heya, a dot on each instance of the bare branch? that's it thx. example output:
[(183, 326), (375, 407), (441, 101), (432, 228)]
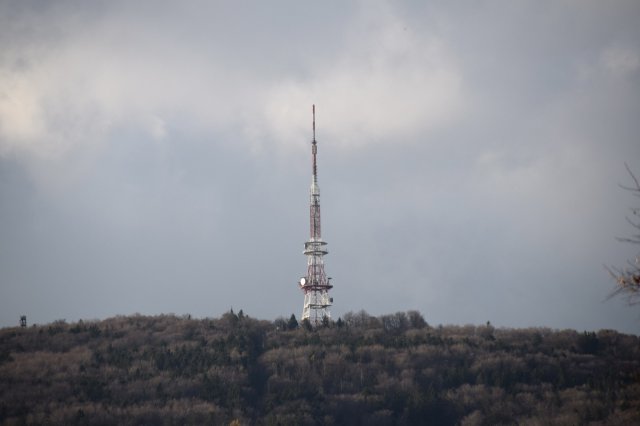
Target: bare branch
[(628, 280), (635, 180), (628, 240)]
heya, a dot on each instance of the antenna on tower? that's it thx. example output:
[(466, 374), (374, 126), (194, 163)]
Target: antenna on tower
[(314, 147)]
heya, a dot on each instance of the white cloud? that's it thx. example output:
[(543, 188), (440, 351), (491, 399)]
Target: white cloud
[(75, 96), (157, 127), (387, 82), (20, 112), (50, 107), (620, 61), (385, 85)]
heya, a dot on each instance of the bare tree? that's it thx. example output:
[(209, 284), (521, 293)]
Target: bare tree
[(628, 278)]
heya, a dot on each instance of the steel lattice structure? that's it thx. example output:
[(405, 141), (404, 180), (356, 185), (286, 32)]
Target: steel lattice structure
[(315, 285)]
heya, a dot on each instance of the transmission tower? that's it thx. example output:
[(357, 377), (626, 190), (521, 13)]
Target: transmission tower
[(315, 285)]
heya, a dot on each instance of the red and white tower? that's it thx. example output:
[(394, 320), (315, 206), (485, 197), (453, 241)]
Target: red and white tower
[(315, 284)]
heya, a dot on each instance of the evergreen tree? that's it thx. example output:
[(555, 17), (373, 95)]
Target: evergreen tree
[(293, 322)]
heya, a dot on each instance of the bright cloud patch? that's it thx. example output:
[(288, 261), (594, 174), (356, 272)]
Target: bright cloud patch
[(383, 87)]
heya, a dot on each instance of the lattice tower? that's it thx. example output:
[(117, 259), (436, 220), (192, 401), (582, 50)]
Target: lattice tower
[(315, 285)]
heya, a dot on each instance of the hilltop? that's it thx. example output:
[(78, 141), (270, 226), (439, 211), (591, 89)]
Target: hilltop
[(393, 369)]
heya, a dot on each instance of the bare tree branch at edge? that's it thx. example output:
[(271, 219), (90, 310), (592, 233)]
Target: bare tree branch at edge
[(628, 278)]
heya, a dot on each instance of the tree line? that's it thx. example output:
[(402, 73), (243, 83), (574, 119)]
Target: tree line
[(360, 369)]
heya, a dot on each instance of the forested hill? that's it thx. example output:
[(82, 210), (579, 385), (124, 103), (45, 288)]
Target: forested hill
[(360, 370)]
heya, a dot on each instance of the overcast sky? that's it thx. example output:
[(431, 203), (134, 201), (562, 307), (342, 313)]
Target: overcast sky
[(155, 157)]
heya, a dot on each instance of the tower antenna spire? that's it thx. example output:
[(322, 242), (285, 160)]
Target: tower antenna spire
[(314, 148), (315, 284)]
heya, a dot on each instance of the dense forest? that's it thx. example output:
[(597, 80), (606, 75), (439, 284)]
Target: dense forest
[(360, 370)]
